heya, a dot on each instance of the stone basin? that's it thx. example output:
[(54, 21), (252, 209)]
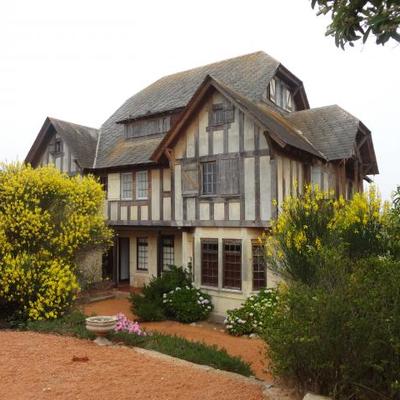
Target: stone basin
[(101, 325)]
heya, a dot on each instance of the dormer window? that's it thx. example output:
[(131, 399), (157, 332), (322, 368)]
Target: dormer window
[(281, 94), (148, 126)]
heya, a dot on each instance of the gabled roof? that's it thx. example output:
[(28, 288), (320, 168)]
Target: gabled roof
[(278, 128), (82, 141), (333, 131), (247, 75)]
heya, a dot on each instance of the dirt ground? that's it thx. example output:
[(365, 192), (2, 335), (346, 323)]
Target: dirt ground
[(39, 366), (250, 350)]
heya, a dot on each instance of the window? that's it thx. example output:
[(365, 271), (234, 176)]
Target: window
[(126, 186), (57, 146), (232, 264), (167, 252), (209, 170), (222, 114), (209, 262), (142, 254), (259, 267), (141, 185), (281, 95), (149, 126), (228, 182), (103, 182)]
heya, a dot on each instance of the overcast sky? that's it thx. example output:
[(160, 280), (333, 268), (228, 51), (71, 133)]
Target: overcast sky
[(80, 60)]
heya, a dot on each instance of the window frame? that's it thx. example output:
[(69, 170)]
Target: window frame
[(214, 182), (122, 183), (255, 247), (163, 240), (138, 188), (281, 92), (139, 244), (225, 281), (204, 282)]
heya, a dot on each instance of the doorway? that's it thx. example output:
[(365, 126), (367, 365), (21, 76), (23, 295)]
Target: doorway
[(123, 261)]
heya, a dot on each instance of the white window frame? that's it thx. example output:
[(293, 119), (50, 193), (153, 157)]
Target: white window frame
[(126, 175), (140, 189), (142, 245)]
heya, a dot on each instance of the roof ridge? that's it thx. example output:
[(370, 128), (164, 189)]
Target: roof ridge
[(70, 123), (217, 62)]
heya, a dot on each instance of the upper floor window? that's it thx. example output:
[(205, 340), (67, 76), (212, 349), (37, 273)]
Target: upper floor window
[(281, 94), (141, 185), (209, 174), (126, 186), (222, 114), (57, 146), (148, 126)]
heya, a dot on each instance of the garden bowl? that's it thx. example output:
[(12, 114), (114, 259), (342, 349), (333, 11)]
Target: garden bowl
[(101, 325)]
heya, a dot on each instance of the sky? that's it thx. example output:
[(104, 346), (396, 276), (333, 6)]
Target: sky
[(80, 60)]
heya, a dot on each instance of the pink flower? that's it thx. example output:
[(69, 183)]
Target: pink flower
[(125, 325)]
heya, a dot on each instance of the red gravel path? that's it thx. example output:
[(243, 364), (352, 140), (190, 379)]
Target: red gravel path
[(38, 366)]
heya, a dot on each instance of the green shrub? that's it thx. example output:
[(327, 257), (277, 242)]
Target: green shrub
[(253, 315), (148, 305), (195, 352), (187, 304), (342, 340), (72, 324)]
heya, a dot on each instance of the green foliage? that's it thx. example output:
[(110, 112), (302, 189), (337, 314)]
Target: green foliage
[(148, 305), (195, 352), (315, 221), (71, 324), (46, 220), (342, 340), (254, 315), (353, 19), (187, 304)]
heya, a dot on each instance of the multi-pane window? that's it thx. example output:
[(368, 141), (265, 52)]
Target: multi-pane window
[(57, 146), (142, 185), (209, 175), (167, 252), (281, 95), (126, 186), (232, 264), (209, 262), (148, 126), (142, 254), (259, 266), (222, 114)]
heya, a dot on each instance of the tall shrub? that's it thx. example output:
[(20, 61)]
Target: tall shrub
[(46, 220)]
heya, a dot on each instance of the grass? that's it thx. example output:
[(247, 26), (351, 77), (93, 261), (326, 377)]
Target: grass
[(73, 324), (195, 352)]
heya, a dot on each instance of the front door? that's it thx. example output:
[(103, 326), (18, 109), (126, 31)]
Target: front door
[(123, 259)]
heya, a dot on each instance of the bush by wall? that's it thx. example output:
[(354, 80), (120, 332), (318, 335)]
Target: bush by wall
[(254, 315), (187, 304), (46, 220)]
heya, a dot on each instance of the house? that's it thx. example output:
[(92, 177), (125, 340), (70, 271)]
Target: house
[(192, 165)]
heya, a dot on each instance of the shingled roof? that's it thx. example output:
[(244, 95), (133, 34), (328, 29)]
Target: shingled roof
[(247, 75), (331, 129), (82, 140)]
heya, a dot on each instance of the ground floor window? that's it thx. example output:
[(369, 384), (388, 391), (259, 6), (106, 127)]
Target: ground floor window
[(232, 264), (142, 254), (259, 266), (167, 252), (209, 262)]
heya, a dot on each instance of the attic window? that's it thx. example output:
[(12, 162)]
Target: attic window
[(148, 126), (57, 146), (281, 94), (222, 114)]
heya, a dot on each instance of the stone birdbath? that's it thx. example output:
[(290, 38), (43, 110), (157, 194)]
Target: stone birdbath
[(101, 326)]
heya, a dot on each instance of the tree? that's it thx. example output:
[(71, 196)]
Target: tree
[(356, 19), (46, 220)]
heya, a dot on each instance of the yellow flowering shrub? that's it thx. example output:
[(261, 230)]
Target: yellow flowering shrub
[(46, 220), (315, 226)]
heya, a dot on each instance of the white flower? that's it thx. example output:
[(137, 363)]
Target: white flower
[(198, 302), (165, 301), (164, 295), (205, 301), (229, 326), (177, 288), (225, 321), (209, 307), (201, 298), (251, 314)]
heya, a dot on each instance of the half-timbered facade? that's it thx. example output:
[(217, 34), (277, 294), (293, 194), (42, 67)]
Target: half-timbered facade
[(197, 165)]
